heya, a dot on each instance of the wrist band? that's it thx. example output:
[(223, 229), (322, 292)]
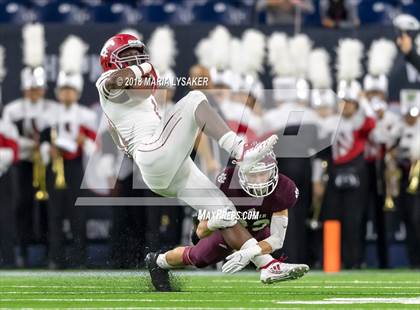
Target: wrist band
[(138, 72), (146, 67)]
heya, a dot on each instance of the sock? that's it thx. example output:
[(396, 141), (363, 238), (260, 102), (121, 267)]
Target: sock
[(162, 263), (232, 144), (262, 260)]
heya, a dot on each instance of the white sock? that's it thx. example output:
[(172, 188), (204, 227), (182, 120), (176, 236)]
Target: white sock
[(232, 144), (162, 263), (262, 260)]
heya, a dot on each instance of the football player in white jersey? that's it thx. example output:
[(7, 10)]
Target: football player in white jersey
[(161, 144)]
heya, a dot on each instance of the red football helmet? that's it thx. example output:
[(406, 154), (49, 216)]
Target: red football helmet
[(110, 58)]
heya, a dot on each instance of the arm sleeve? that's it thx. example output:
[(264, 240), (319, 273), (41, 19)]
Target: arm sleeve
[(100, 85), (278, 228)]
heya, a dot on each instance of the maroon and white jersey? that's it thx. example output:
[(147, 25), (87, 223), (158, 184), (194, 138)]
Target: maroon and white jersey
[(284, 197), (351, 137), (382, 137), (70, 123), (30, 120)]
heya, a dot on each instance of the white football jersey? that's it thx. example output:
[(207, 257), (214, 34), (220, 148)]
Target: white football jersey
[(131, 116)]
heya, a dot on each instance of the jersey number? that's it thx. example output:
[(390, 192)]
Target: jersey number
[(257, 225)]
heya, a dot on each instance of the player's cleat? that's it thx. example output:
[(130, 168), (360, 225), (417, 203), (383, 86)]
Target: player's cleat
[(254, 152), (159, 276), (277, 271), (194, 237)]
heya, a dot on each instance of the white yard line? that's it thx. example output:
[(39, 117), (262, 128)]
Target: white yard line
[(349, 301)]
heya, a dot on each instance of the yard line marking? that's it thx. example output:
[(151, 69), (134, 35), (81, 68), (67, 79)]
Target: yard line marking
[(114, 299), (284, 285), (188, 293), (182, 308), (324, 282), (347, 301), (62, 286)]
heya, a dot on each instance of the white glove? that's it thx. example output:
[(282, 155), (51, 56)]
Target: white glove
[(240, 259), (44, 149), (26, 147), (66, 144), (6, 159)]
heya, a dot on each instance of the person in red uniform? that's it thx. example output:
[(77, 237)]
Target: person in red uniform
[(347, 188), (262, 198), (9, 155), (69, 139)]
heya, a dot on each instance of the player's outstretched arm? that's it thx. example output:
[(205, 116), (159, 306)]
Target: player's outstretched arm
[(118, 79), (131, 77), (278, 227)]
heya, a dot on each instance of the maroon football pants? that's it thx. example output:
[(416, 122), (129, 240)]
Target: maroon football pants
[(213, 249)]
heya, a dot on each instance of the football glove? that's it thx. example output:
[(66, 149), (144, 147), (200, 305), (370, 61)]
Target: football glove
[(240, 259)]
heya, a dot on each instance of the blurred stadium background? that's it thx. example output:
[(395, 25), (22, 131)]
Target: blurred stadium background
[(118, 237)]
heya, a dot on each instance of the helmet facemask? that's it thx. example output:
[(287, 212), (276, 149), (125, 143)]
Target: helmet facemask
[(123, 62), (261, 180)]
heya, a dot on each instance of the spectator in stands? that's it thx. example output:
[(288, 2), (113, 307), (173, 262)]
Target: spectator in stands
[(339, 13), (405, 43), (284, 12)]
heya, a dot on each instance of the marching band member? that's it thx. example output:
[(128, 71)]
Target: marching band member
[(9, 155), (71, 136), (407, 157), (324, 102), (31, 114), (298, 125), (243, 109), (381, 58), (347, 186), (217, 61)]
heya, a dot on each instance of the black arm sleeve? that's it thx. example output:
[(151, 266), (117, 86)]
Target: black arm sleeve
[(413, 58)]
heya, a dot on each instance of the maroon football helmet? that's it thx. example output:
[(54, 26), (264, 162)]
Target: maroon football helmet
[(110, 53)]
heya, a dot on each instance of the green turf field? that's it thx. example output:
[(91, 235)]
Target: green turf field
[(201, 290)]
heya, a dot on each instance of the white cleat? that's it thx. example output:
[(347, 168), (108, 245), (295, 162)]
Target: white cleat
[(277, 271), (253, 153)]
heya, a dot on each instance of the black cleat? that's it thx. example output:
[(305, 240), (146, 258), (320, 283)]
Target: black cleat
[(159, 276), (194, 237)]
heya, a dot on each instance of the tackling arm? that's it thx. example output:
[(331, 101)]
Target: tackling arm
[(118, 79), (113, 83), (278, 228)]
